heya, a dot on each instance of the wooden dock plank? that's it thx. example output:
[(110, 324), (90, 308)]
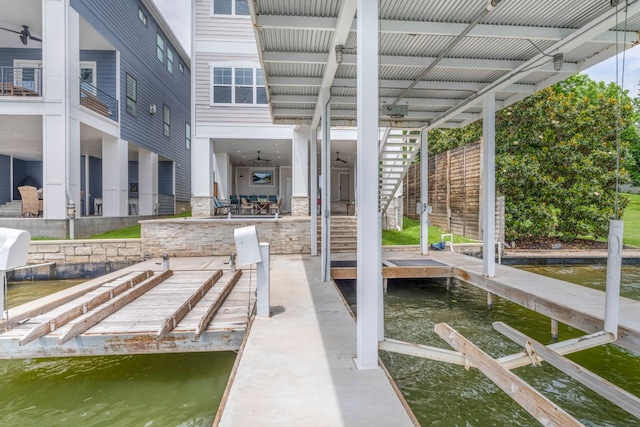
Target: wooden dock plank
[(81, 308), (604, 388), (213, 308), (113, 306), (544, 410), (171, 321)]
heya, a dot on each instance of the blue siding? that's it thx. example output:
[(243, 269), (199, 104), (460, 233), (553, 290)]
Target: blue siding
[(165, 177), (19, 173), (118, 22), (105, 68), (5, 179), (7, 55), (133, 178), (95, 180)]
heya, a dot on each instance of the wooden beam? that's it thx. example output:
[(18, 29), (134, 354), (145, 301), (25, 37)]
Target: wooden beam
[(211, 311), (116, 304), (82, 308), (544, 410), (604, 388), (171, 321), (410, 272), (423, 351), (14, 319)]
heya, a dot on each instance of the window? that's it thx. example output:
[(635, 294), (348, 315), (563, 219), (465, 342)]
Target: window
[(187, 132), (142, 17), (238, 85), (160, 48), (167, 121), (132, 95), (230, 7), (169, 60), (181, 67)]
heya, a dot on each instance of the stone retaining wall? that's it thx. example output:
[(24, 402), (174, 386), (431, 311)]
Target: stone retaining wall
[(84, 251), (207, 237)]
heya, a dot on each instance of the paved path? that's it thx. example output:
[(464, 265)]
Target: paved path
[(297, 367)]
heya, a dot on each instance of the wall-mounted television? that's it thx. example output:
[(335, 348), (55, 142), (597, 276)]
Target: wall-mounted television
[(261, 178)]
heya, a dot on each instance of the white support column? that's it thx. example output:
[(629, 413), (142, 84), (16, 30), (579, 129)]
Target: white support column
[(202, 173), (147, 181), (424, 192), (325, 191), (73, 166), (55, 134), (314, 191), (221, 162), (300, 171), (369, 274), (115, 177), (488, 204)]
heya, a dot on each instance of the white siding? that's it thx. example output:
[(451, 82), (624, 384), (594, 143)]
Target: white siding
[(205, 113), (219, 28)]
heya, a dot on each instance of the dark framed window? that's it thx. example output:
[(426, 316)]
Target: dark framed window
[(169, 60), (142, 16), (160, 48), (187, 135), (181, 67), (132, 95), (167, 121), (222, 85)]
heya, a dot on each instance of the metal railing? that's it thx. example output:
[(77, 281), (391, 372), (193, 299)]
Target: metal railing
[(98, 101), (21, 81)]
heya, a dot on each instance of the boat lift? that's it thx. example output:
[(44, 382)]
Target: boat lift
[(14, 249)]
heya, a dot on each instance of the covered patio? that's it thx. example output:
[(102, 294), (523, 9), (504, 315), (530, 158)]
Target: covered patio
[(418, 65)]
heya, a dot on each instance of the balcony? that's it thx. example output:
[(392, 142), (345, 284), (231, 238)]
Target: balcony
[(25, 81), (98, 101)]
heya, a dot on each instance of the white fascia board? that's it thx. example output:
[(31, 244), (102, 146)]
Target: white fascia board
[(16, 106), (247, 131), (226, 46)]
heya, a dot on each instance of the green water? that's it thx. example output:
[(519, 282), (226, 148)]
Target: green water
[(441, 394), (141, 390)]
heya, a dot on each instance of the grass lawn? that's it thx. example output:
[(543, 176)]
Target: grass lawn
[(631, 218), (132, 232), (410, 234)]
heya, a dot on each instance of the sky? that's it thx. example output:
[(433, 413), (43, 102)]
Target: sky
[(177, 13)]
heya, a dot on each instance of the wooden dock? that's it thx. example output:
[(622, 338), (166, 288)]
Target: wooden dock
[(574, 305), (198, 305)]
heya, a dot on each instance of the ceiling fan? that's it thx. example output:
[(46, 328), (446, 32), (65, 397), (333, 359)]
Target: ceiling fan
[(259, 159), (25, 34), (338, 159)]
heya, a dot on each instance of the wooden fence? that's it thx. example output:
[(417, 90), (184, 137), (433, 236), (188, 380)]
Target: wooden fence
[(454, 192)]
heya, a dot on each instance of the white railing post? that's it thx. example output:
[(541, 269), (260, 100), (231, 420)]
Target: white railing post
[(263, 287)]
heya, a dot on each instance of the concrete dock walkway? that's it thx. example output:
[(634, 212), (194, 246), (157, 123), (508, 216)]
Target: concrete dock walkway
[(297, 367)]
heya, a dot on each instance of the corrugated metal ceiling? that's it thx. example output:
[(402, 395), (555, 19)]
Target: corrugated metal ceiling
[(507, 42)]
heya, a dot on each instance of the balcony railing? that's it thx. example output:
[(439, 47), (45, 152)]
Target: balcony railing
[(98, 101), (24, 81)]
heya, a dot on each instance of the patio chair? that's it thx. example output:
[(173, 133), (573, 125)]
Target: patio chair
[(245, 206), (275, 207), (219, 206), (233, 200), (31, 205)]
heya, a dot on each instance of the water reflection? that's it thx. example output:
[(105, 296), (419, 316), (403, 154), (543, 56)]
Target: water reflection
[(441, 394)]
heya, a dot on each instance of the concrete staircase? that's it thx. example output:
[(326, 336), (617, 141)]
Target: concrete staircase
[(343, 234), (11, 209)]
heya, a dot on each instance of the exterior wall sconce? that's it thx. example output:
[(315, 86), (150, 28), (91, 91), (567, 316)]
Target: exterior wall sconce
[(558, 62), (339, 53), (152, 109)]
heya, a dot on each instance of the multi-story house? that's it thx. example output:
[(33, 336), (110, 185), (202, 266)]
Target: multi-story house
[(235, 142), (94, 107)]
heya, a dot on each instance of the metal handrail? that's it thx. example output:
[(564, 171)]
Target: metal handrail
[(98, 101), (20, 81)]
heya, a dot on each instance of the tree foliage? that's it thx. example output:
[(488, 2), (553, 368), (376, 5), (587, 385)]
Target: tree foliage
[(556, 157)]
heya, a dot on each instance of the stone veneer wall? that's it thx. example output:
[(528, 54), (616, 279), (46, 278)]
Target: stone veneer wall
[(389, 218), (84, 251), (202, 207), (207, 237), (299, 206)]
